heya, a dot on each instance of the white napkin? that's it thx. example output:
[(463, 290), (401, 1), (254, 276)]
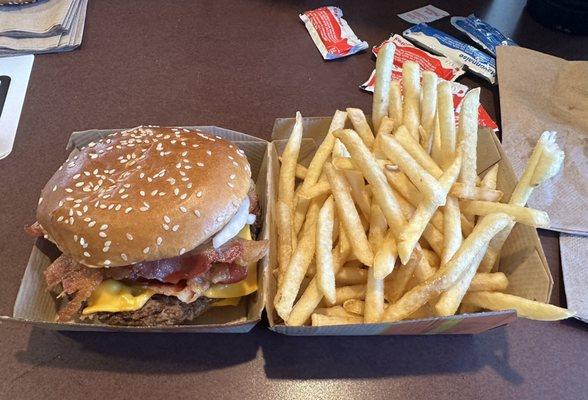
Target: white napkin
[(574, 264), (539, 92), (44, 18), (64, 41)]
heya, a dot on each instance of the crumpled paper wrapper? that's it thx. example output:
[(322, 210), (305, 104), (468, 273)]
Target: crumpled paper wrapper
[(539, 92), (574, 256)]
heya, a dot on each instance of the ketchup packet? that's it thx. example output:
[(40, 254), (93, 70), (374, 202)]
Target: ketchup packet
[(331, 33), (406, 51), (476, 61), (458, 91)]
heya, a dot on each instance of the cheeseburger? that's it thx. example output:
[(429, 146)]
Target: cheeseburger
[(155, 225)]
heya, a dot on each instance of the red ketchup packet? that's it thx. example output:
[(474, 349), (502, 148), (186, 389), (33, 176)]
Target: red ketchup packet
[(331, 33)]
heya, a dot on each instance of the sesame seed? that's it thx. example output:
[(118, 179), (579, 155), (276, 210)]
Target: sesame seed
[(142, 193), (199, 194), (128, 210), (75, 238), (183, 209), (60, 219), (86, 254), (175, 227), (91, 224), (182, 251), (54, 188), (232, 176), (105, 249), (106, 262), (76, 176), (129, 236), (102, 234), (124, 256), (165, 227), (68, 190), (235, 163), (176, 191), (159, 240), (71, 220), (183, 197), (209, 152), (200, 164), (82, 241), (103, 227), (219, 219), (146, 250), (166, 219), (197, 213), (143, 208), (229, 184), (107, 243), (40, 200), (189, 185), (154, 192)]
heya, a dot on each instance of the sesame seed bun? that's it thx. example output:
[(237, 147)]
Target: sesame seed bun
[(143, 194)]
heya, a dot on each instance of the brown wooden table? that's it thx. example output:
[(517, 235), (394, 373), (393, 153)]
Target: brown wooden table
[(240, 65)]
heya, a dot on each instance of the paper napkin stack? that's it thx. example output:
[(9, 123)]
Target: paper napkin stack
[(46, 26)]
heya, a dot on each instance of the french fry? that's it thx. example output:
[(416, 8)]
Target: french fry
[(354, 306), (400, 183), (322, 154), (424, 212), (411, 84), (533, 176), (464, 192), (355, 179), (386, 127), (450, 300), (446, 116), (351, 275), (377, 226), (467, 134), (525, 308), (312, 296), (361, 126), (428, 107), (466, 225), (324, 246), (382, 85), (300, 170), (452, 230), (300, 211), (287, 177), (320, 189), (523, 215), (424, 181), (432, 258), (436, 150), (350, 292), (299, 263), (395, 285), (328, 320), (490, 178), (448, 274), (348, 214), (413, 148), (335, 311), (382, 192), (395, 103), (374, 298), (493, 282), (468, 309), (284, 219), (385, 257)]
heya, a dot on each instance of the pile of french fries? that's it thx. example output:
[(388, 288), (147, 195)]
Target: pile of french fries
[(398, 225)]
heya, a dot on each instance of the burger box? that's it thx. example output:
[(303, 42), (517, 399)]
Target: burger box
[(36, 306), (522, 258)]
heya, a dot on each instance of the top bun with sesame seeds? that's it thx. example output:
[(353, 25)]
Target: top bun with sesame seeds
[(143, 194)]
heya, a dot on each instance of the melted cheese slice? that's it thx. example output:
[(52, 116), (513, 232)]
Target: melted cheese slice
[(114, 296), (241, 288)]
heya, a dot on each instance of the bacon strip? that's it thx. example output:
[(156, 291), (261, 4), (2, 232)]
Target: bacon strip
[(76, 279), (34, 230)]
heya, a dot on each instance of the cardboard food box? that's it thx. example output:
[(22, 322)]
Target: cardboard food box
[(522, 258), (36, 306)]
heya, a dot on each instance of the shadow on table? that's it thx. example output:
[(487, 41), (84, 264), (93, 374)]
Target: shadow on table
[(289, 357), (145, 353)]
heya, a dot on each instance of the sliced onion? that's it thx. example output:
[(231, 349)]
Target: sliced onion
[(234, 226), (251, 219)]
